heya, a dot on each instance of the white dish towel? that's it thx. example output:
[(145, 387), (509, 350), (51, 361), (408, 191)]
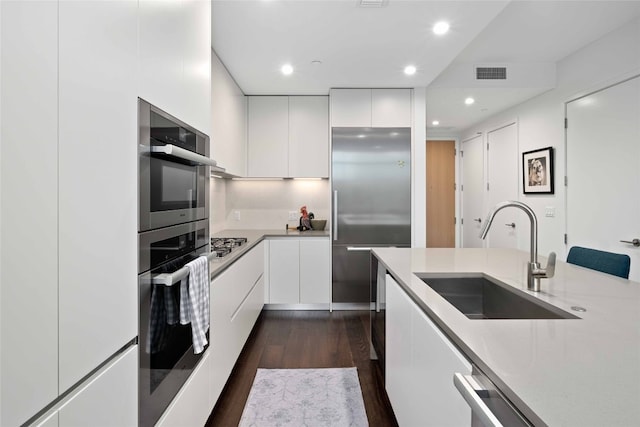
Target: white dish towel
[(194, 301)]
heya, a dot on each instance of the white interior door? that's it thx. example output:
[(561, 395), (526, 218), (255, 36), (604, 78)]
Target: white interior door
[(472, 191), (603, 159), (502, 173)]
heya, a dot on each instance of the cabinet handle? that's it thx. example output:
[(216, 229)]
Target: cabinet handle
[(478, 407), (478, 220), (512, 225), (357, 248)]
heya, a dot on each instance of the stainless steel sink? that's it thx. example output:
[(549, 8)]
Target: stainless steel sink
[(479, 297)]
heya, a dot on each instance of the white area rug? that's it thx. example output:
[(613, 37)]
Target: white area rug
[(305, 397)]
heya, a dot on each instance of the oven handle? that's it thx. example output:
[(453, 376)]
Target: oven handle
[(181, 153), (169, 279), (469, 392)]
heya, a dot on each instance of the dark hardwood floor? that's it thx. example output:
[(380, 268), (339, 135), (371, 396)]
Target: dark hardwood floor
[(306, 339)]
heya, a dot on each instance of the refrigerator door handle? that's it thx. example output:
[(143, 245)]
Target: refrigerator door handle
[(335, 215)]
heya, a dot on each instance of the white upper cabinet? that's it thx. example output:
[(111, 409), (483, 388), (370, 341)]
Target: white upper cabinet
[(371, 108), (97, 199), (308, 136), (29, 208), (268, 136), (350, 108), (391, 108), (175, 59), (288, 136), (228, 120)]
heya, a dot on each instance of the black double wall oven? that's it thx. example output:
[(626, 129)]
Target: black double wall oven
[(173, 229)]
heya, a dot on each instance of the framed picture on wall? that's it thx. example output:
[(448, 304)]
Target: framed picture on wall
[(537, 171)]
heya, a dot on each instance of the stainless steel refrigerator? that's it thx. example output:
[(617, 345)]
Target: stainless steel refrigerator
[(371, 191)]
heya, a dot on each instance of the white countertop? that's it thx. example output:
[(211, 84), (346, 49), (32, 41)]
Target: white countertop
[(254, 236), (561, 372)]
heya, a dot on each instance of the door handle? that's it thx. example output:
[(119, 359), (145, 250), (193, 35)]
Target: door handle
[(634, 242), (478, 220), (335, 214), (512, 225)]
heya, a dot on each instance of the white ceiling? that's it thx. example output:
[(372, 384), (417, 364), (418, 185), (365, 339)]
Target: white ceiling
[(370, 46)]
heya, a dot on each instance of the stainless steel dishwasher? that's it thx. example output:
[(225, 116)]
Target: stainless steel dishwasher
[(489, 408)]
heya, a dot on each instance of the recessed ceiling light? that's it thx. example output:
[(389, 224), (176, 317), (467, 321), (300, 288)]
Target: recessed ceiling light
[(435, 123), (361, 136), (286, 69), (409, 70), (469, 101), (441, 28)]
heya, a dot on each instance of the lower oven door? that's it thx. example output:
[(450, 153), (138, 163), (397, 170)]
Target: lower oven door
[(489, 408), (166, 353)]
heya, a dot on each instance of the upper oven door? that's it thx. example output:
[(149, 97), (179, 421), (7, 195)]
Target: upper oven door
[(173, 170)]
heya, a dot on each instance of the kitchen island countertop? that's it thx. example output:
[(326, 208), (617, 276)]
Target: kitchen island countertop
[(254, 236), (562, 372)]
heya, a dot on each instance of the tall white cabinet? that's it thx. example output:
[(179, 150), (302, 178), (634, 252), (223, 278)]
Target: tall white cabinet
[(97, 197), (29, 209), (71, 73)]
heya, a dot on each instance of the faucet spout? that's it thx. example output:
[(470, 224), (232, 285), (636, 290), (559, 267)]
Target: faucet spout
[(535, 272)]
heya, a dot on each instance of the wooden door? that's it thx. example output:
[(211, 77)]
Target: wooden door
[(472, 191), (441, 232), (603, 154)]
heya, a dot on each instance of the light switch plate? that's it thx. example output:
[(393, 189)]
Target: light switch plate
[(550, 212), (236, 215)]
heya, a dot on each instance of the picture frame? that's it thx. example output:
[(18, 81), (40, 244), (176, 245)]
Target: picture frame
[(537, 171)]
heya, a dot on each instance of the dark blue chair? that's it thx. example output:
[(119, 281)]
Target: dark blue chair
[(607, 262)]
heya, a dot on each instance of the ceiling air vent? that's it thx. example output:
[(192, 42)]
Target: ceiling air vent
[(372, 3), (491, 73)]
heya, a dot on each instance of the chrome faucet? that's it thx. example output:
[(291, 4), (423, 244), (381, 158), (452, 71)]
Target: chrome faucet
[(534, 272)]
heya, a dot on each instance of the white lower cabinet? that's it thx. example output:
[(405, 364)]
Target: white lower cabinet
[(237, 297), (420, 363), (299, 271), (191, 407), (109, 399)]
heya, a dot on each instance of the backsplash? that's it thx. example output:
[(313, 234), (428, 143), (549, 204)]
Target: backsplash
[(265, 204)]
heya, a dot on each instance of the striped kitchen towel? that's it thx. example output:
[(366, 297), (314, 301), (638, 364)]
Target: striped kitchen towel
[(194, 301)]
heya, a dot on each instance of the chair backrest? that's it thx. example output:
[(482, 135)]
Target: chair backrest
[(607, 262)]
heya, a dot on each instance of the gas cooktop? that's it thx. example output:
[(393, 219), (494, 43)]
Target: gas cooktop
[(223, 246)]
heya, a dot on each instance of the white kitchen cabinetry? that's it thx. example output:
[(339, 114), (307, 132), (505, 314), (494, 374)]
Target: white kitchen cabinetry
[(268, 136), (191, 406), (228, 120), (237, 297), (299, 271), (420, 363), (371, 108), (175, 58), (284, 271), (308, 136), (288, 136), (97, 200), (29, 209), (315, 271), (109, 399)]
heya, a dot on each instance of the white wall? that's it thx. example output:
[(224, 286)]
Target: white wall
[(608, 60), (265, 204)]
